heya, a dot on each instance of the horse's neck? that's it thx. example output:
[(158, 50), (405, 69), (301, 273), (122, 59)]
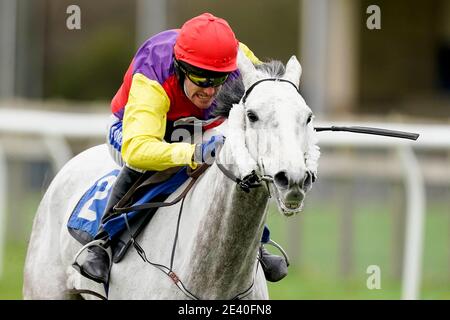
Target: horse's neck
[(225, 247)]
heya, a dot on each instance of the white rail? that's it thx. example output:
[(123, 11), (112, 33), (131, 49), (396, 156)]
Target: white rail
[(56, 127), (415, 224)]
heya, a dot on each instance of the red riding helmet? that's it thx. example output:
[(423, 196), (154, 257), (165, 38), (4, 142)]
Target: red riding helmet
[(207, 42)]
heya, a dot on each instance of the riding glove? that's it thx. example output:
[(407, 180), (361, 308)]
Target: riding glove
[(206, 151)]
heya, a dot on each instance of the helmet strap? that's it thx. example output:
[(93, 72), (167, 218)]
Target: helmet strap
[(184, 88), (179, 74)]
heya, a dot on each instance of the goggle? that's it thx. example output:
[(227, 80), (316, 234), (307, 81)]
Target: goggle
[(204, 82)]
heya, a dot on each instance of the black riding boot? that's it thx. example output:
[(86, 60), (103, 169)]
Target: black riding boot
[(275, 267), (97, 264)]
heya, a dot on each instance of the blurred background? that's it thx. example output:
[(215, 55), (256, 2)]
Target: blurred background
[(378, 202)]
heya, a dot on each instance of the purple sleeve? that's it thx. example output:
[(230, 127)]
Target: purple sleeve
[(154, 58)]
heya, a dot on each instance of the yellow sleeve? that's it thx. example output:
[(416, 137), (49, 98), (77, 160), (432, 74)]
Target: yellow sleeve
[(144, 126), (249, 53)]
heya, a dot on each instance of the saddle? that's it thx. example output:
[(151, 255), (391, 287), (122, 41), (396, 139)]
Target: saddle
[(133, 212)]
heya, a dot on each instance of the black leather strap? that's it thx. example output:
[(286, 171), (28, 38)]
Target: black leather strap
[(249, 90), (194, 175)]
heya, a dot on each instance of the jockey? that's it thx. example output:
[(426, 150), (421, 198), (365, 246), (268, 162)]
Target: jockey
[(175, 74)]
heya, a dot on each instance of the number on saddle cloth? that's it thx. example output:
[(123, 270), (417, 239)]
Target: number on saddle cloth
[(86, 217)]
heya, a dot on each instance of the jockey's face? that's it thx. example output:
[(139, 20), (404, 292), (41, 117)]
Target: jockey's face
[(201, 97)]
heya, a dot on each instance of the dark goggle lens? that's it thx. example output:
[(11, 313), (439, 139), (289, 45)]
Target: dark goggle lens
[(206, 82)]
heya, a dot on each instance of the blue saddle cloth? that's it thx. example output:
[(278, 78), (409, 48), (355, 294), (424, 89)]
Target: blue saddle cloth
[(86, 217)]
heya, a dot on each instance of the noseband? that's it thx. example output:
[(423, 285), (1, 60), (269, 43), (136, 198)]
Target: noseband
[(250, 181)]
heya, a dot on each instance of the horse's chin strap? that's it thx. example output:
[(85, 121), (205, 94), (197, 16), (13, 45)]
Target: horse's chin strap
[(250, 181)]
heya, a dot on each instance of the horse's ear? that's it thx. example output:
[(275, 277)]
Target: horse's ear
[(293, 71), (247, 69)]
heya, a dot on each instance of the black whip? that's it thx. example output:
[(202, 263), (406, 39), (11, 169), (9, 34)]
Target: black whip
[(371, 130)]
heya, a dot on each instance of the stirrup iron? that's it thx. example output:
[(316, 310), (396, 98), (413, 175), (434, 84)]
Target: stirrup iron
[(94, 243), (276, 245)]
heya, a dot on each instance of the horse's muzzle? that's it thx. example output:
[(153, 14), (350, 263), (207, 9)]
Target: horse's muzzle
[(290, 194)]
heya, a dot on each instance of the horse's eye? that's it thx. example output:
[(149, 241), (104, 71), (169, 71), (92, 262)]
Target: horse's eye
[(252, 116), (309, 119)]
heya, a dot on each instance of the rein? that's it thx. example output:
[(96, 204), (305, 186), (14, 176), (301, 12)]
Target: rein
[(252, 180), (169, 270)]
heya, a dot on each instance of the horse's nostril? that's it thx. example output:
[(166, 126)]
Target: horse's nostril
[(308, 179), (281, 179)]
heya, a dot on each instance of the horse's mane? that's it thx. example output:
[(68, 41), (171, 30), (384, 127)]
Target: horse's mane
[(232, 93)]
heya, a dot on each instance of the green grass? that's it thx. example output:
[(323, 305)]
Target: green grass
[(314, 272), (311, 286), (11, 280)]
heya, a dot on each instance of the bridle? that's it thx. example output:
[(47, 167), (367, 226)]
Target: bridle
[(254, 179)]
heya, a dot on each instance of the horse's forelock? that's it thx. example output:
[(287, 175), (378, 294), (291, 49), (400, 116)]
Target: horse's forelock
[(272, 69)]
